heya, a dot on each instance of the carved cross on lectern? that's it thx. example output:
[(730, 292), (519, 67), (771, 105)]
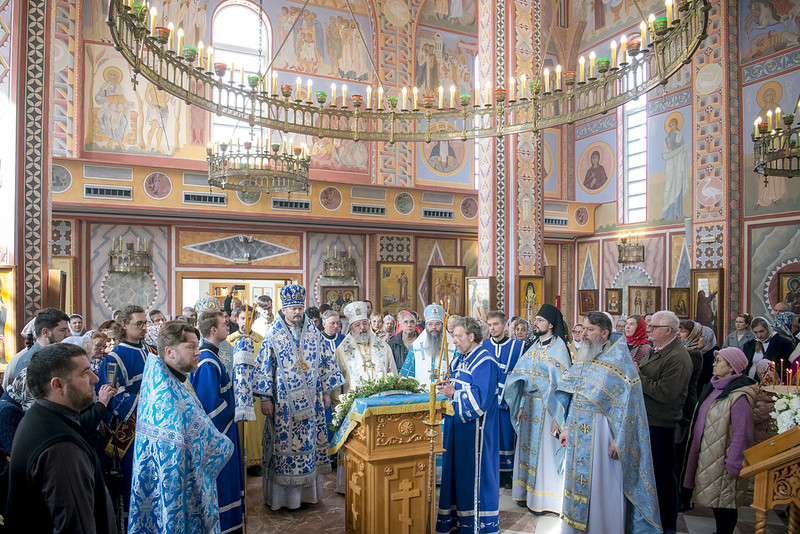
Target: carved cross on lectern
[(406, 494), (356, 489)]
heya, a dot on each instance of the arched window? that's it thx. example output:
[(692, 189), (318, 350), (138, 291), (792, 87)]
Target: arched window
[(235, 38)]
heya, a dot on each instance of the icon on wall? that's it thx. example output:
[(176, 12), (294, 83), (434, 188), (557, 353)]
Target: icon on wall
[(596, 167)]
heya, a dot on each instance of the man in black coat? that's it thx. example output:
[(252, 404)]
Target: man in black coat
[(56, 480)]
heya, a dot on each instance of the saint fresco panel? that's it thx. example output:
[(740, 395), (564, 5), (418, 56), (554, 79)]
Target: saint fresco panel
[(396, 283)]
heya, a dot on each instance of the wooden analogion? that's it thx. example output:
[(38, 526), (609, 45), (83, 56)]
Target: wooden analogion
[(388, 487), (775, 464)]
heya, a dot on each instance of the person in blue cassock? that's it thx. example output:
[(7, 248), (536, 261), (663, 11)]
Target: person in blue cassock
[(469, 498), (297, 373), (178, 452), (506, 352), (609, 486), (332, 329), (124, 366), (537, 414), (332, 334), (214, 389)]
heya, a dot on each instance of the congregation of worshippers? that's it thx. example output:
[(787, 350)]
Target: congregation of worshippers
[(612, 424)]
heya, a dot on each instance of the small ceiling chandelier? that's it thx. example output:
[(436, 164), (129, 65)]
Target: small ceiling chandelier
[(596, 86), (124, 259), (776, 145), (630, 249), (258, 171)]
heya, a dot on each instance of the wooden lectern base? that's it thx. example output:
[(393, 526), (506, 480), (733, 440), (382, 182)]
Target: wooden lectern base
[(390, 488), (775, 464)]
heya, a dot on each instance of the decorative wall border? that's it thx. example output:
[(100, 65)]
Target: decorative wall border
[(501, 149), (483, 147), (735, 227), (711, 124), (768, 67), (609, 122), (35, 167)]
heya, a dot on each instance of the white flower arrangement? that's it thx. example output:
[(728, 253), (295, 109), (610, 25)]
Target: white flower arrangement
[(786, 411)]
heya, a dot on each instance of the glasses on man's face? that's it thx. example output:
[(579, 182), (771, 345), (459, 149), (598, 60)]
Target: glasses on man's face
[(139, 324), (654, 326)]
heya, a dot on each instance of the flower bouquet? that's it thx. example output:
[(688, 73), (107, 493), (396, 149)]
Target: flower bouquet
[(786, 412), (368, 388)]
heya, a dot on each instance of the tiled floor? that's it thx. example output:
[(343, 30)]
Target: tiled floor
[(328, 516)]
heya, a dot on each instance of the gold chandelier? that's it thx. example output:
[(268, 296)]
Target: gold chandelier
[(600, 85), (777, 145), (124, 259), (258, 171)]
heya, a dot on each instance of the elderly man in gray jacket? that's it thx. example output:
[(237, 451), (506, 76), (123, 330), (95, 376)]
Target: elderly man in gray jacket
[(665, 378)]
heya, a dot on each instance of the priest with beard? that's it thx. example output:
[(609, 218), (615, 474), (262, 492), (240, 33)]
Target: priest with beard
[(361, 356), (423, 358), (609, 486), (538, 417), (506, 352)]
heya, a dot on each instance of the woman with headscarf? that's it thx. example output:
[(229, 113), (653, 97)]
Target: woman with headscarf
[(707, 347), (95, 347), (766, 346), (741, 333), (783, 325), (13, 405), (76, 326), (721, 430), (691, 334), (636, 336), (523, 331)]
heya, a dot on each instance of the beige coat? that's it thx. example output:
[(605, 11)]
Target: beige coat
[(714, 486)]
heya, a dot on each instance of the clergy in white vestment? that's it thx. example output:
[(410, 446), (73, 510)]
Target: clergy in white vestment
[(178, 452), (609, 487), (361, 356), (537, 415), (423, 358), (297, 374)]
